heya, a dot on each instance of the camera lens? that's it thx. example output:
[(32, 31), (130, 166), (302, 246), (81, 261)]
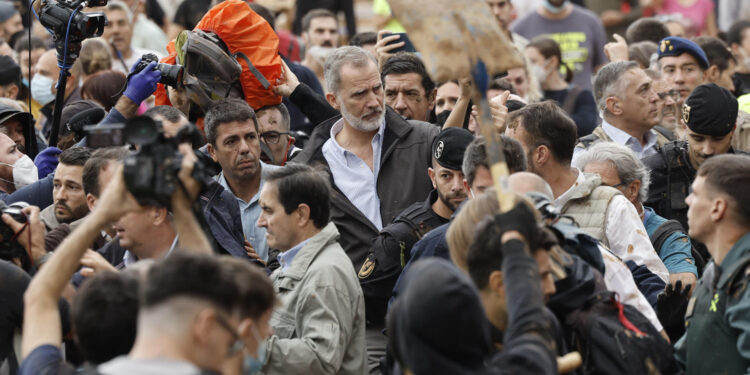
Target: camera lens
[(171, 75), (141, 130)]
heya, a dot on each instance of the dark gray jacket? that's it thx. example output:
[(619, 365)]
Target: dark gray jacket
[(402, 179)]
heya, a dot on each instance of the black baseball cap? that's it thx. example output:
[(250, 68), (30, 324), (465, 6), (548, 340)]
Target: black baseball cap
[(449, 146)]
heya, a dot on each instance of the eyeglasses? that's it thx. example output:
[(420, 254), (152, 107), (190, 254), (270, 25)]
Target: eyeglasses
[(238, 344), (272, 136), (674, 94)]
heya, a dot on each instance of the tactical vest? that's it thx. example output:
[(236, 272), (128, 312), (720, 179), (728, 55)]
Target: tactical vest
[(420, 219), (671, 176), (588, 206), (708, 330), (662, 137)]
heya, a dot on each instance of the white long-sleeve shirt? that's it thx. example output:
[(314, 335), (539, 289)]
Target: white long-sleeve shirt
[(625, 232)]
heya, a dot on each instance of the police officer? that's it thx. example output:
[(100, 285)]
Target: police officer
[(718, 314), (391, 249), (710, 113)]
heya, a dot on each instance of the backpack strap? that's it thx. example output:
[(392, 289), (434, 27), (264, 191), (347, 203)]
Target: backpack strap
[(663, 231), (569, 104), (263, 81)]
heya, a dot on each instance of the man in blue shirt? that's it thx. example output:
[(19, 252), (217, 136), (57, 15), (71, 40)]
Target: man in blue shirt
[(233, 142)]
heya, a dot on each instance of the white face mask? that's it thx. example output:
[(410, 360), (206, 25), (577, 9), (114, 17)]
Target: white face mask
[(41, 89), (539, 73), (24, 172)]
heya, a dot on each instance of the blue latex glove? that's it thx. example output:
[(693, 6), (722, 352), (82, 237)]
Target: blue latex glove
[(46, 161), (142, 84)]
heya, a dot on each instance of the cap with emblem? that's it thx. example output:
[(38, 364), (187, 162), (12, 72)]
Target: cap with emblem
[(449, 146), (676, 46), (7, 10), (10, 72), (710, 110)]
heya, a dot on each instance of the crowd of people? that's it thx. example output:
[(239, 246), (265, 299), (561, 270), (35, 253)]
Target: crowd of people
[(301, 197)]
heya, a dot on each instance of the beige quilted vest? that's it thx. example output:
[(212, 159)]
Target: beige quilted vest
[(588, 206)]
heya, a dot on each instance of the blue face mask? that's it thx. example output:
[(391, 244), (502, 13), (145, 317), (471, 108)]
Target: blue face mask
[(252, 365), (25, 81), (555, 9), (41, 89)]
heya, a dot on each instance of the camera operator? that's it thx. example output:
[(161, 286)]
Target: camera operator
[(139, 87), (150, 232), (41, 338)]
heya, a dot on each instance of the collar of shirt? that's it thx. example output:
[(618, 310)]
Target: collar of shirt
[(565, 197), (223, 182), (620, 137), (342, 153), (647, 214), (286, 258), (128, 258)]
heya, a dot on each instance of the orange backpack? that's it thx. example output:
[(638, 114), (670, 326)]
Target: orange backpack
[(232, 52)]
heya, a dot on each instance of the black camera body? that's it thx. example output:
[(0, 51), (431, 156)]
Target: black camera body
[(151, 173), (12, 249), (171, 75), (70, 26)]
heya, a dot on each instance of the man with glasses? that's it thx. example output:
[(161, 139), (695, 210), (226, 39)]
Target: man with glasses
[(273, 123), (619, 168), (629, 108)]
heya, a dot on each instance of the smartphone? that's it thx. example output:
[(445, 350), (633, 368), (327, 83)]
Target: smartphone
[(407, 47)]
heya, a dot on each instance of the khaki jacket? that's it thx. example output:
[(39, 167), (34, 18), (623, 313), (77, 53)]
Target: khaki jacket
[(319, 325)]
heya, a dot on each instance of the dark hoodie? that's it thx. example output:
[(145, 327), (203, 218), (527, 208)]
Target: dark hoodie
[(438, 325)]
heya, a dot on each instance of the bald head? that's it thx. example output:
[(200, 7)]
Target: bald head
[(524, 182)]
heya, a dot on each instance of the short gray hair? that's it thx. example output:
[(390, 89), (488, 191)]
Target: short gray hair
[(347, 55), (609, 82), (121, 6), (629, 167)]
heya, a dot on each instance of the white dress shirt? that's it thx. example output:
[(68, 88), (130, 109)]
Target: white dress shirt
[(625, 232), (353, 177)]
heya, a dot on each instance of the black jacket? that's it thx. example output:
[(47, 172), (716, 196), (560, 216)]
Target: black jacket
[(402, 179)]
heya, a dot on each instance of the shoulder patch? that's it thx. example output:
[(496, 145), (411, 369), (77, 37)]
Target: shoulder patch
[(367, 267)]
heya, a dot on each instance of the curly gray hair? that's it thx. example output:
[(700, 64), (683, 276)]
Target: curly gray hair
[(629, 167)]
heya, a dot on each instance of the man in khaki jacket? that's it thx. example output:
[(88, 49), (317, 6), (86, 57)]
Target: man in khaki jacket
[(319, 326)]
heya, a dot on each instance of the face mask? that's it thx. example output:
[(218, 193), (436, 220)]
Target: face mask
[(538, 72), (41, 89), (25, 81), (24, 172), (555, 9), (252, 365), (320, 54)]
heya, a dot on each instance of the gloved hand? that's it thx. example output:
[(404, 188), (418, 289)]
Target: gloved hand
[(142, 84), (521, 218), (46, 161), (670, 309)]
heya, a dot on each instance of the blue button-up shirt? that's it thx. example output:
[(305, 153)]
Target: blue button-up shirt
[(286, 258), (250, 212), (352, 175), (622, 138)]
